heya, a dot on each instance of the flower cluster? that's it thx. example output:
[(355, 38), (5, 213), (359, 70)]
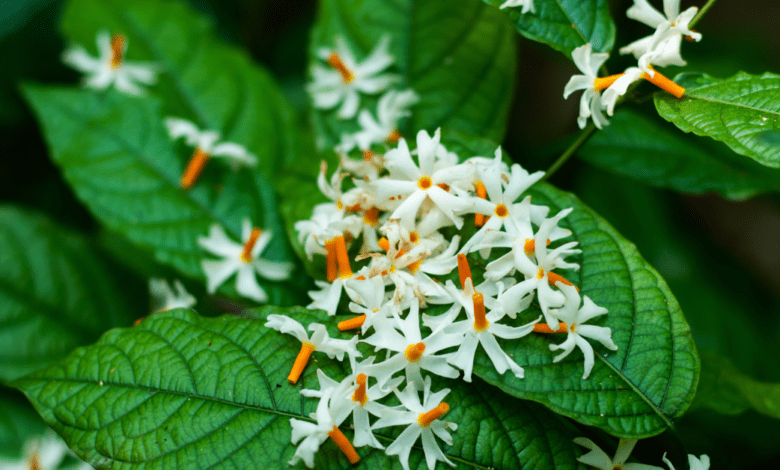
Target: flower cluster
[(662, 48), (599, 459)]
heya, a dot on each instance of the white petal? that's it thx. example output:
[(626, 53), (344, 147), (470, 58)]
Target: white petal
[(248, 286), (217, 272)]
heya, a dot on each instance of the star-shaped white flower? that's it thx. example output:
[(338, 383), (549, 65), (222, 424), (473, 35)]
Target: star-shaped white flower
[(702, 463), (590, 102), (111, 66), (423, 419), (393, 106), (346, 78), (528, 5), (599, 459), (41, 453), (164, 298), (241, 259), (574, 318)]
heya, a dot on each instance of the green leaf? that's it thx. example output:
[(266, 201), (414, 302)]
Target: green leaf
[(654, 152), (636, 391), (565, 24), (459, 58), (190, 392), (743, 111), (56, 293), (18, 421), (116, 154), (726, 390)]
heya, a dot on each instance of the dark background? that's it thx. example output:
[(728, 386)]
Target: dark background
[(721, 258)]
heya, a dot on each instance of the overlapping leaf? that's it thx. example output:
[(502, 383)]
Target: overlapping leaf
[(153, 396), (650, 380), (565, 24), (657, 154), (459, 58), (743, 111), (116, 154), (56, 293)]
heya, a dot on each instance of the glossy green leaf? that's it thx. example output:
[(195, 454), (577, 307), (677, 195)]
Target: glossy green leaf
[(565, 24), (656, 153), (182, 391), (56, 293), (459, 57), (116, 154), (636, 391), (727, 390), (743, 111)]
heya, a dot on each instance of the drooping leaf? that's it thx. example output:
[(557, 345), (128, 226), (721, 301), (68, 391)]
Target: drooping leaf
[(723, 388), (181, 391), (636, 391), (459, 57), (56, 293), (565, 24), (657, 154), (116, 154), (743, 111)]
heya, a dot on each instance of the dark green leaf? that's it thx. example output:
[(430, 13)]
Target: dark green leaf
[(651, 379), (459, 57), (565, 24), (655, 153), (116, 154), (56, 293), (181, 391), (743, 111), (18, 421)]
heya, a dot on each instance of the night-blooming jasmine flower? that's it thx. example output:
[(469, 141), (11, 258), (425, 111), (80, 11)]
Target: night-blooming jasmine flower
[(599, 459), (319, 341), (345, 79), (206, 145), (420, 183), (164, 298), (338, 273), (702, 463), (243, 259), (590, 102), (369, 302), (423, 419), (41, 453), (573, 318), (111, 66), (393, 106), (312, 435), (528, 5)]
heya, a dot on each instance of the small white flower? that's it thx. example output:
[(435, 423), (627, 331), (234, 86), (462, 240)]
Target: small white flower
[(164, 298), (619, 88), (111, 66), (392, 107), (702, 463), (574, 318), (599, 459), (369, 302), (345, 79), (326, 223), (590, 103), (528, 5), (41, 453), (243, 259), (423, 419)]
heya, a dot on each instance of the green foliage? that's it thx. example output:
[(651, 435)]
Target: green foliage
[(650, 380), (655, 153), (18, 420), (726, 390), (460, 61), (56, 293), (743, 111), (224, 387), (565, 24), (129, 178)]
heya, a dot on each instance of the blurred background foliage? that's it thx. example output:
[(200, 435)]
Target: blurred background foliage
[(721, 258)]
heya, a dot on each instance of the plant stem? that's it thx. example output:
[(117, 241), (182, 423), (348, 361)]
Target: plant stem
[(703, 10), (581, 139)]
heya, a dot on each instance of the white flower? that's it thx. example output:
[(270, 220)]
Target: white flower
[(111, 67), (423, 419), (242, 259), (574, 318), (599, 459), (619, 88), (420, 183), (369, 302), (528, 5), (392, 107), (345, 79), (41, 453), (338, 274), (702, 463), (164, 298), (590, 102), (326, 223), (662, 47)]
